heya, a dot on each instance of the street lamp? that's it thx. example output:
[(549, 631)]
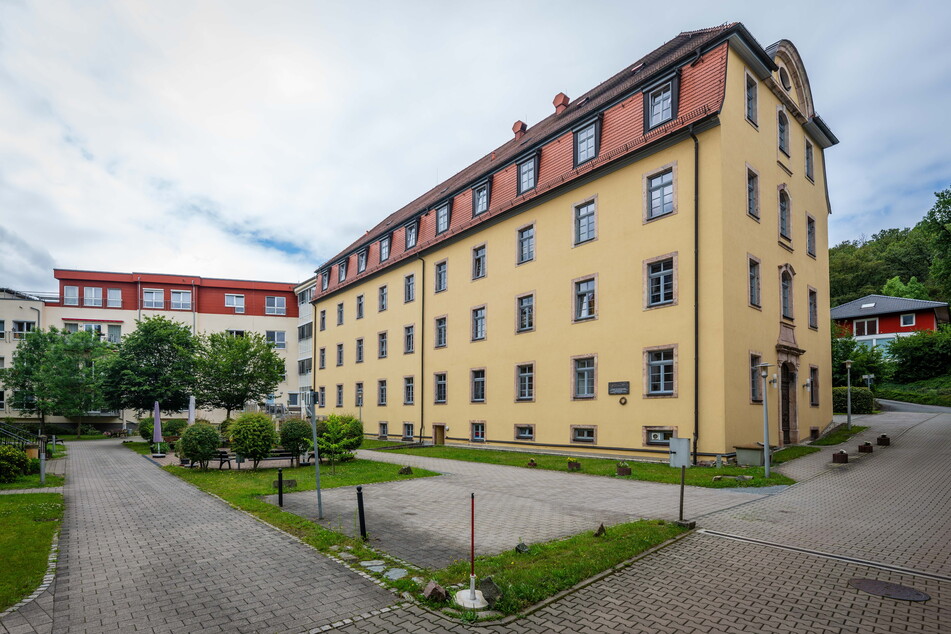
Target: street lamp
[(360, 402), (764, 372), (848, 394)]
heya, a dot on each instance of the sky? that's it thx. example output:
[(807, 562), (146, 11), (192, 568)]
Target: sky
[(255, 140)]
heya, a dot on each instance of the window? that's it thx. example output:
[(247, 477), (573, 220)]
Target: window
[(813, 385), (751, 99), (322, 318), (908, 320), (582, 434), (341, 271), (586, 143), (114, 298), (660, 276), (358, 355), (440, 391), (292, 399), (478, 432), (524, 432), (409, 288), (381, 300), (525, 382), (809, 164), (236, 302), (585, 222), (442, 219), (584, 300), (384, 249), (478, 323), (756, 382), (478, 386), (70, 296), (276, 338), (275, 305), (782, 124), (864, 327), (92, 296), (181, 300), (658, 435), (324, 280), (359, 306), (235, 333), (584, 377), (384, 428), (810, 236), (96, 328), (304, 366), (813, 308), (409, 339), (410, 233), (785, 291), (72, 327), (478, 262), (526, 313), (339, 402), (153, 298), (660, 194), (752, 193), (362, 261), (322, 396), (754, 282), (660, 367), (340, 314), (381, 392), (322, 358), (408, 431), (339, 354), (409, 390), (381, 345), (114, 333), (784, 215), (526, 174), (441, 278), (304, 297), (3, 328), (526, 245), (661, 105), (480, 199), (305, 332), (440, 332)]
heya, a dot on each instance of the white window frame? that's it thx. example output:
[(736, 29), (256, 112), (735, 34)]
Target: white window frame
[(585, 222), (92, 296), (235, 301), (277, 307), (525, 382), (440, 276), (660, 188), (342, 271), (180, 300), (440, 388), (477, 431), (443, 218), (584, 376), (525, 313), (114, 298), (409, 288), (277, 338), (477, 385), (441, 332), (865, 327), (909, 323), (585, 299), (658, 368), (384, 249), (525, 244), (70, 296), (658, 112), (152, 303), (409, 390), (478, 331), (479, 264)]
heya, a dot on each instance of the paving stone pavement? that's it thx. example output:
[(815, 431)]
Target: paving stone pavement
[(141, 550), (512, 504)]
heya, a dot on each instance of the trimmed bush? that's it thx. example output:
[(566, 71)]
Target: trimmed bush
[(224, 428), (253, 436), (862, 400), (174, 426), (146, 429), (296, 437), (199, 442), (13, 463)]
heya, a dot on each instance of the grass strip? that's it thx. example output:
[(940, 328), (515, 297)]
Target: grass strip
[(27, 524), (375, 443), (791, 453), (83, 437), (32, 481), (551, 567), (648, 471), (838, 435)]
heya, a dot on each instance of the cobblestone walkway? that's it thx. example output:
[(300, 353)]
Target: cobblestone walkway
[(143, 551)]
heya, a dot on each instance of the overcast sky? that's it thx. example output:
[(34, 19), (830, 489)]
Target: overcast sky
[(255, 140)]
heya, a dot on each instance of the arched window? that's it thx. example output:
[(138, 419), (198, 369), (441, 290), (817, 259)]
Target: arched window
[(783, 125), (786, 293), (784, 223)]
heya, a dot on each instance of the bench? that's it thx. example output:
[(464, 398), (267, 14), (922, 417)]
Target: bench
[(277, 453), (221, 456)]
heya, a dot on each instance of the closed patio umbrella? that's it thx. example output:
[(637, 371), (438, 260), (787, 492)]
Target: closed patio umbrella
[(157, 432)]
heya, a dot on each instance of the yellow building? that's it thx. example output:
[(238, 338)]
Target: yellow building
[(610, 276)]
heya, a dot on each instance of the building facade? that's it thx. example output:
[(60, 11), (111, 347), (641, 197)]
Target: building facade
[(608, 278), (875, 320)]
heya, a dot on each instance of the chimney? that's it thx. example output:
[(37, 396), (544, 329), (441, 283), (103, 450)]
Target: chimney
[(519, 128), (561, 102)]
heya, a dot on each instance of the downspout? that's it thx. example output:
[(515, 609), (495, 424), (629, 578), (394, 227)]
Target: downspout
[(39, 316), (422, 346), (696, 292), (138, 296), (194, 310)]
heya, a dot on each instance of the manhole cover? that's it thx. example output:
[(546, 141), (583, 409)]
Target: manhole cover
[(890, 590)]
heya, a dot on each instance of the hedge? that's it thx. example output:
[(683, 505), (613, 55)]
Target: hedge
[(862, 400)]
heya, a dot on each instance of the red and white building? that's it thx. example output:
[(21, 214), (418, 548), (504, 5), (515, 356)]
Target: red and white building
[(877, 319)]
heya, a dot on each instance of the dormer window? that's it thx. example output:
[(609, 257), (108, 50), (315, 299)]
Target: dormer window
[(480, 199), (527, 171), (385, 249), (660, 103), (587, 142), (324, 280), (442, 219), (411, 231), (342, 271), (361, 261)]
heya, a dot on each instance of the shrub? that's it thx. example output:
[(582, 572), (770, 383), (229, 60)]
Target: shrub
[(89, 430), (923, 355), (862, 401), (199, 442), (13, 463), (33, 466), (341, 436), (174, 426), (295, 436), (224, 428), (253, 436), (146, 429)]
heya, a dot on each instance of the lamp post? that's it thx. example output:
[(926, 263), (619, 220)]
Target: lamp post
[(764, 372), (848, 394), (360, 402)]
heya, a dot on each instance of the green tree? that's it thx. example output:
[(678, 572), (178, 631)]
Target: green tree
[(295, 437), (200, 443), (938, 224), (253, 436), (23, 377), (924, 355), (341, 436), (912, 290), (233, 370), (155, 362), (865, 360)]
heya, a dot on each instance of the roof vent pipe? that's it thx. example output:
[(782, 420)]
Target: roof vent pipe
[(519, 128), (561, 102)]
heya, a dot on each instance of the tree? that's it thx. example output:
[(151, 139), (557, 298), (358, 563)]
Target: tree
[(912, 290), (924, 355), (200, 443), (234, 370), (23, 377), (865, 360), (341, 436), (253, 436), (295, 437), (938, 223), (156, 362)]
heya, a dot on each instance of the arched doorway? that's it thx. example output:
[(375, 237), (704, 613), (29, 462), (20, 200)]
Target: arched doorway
[(787, 408)]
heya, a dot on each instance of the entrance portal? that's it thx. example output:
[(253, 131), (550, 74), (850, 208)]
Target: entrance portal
[(787, 411), (439, 434)]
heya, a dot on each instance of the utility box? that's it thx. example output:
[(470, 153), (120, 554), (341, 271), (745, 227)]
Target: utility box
[(679, 452)]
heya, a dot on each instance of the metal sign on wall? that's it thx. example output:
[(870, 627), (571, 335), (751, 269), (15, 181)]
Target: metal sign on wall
[(619, 387)]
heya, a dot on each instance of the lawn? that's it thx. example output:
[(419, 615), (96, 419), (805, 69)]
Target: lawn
[(71, 437), (140, 447), (649, 471), (791, 453), (32, 482), (28, 522), (549, 568), (374, 443), (839, 435), (936, 391)]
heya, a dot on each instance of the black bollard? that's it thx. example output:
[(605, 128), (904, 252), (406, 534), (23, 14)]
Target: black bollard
[(363, 519), (280, 487)]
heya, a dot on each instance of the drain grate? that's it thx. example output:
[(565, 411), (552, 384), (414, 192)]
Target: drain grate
[(890, 590)]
